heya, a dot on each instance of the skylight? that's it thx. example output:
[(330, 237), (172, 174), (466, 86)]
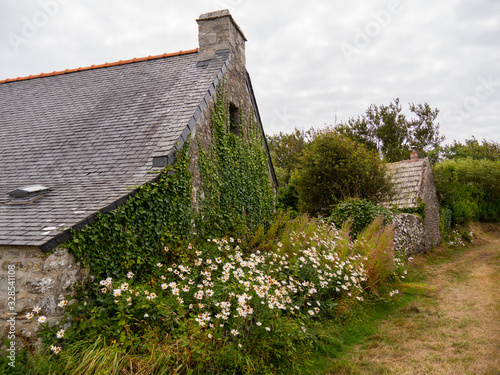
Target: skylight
[(27, 194)]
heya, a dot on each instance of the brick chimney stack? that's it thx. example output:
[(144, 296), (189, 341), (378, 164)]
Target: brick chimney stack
[(219, 31), (413, 155)]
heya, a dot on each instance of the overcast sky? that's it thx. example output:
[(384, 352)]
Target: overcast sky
[(311, 63)]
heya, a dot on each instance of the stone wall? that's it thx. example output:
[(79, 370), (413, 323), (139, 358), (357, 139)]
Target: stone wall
[(431, 221), (409, 234), (30, 278)]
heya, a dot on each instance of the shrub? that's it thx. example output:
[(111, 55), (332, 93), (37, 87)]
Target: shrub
[(333, 168), (361, 213), (470, 188)]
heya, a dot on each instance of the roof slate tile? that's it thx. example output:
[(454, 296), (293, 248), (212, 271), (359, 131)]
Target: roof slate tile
[(91, 136)]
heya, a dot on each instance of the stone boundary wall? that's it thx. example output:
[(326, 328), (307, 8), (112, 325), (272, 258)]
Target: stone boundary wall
[(30, 278), (409, 235)]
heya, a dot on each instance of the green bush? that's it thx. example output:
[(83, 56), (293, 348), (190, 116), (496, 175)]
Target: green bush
[(445, 220), (470, 188), (287, 197), (333, 168), (361, 213)]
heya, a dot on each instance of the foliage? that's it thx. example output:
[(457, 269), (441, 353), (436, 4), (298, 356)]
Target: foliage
[(286, 150), (469, 188), (236, 194), (238, 198), (445, 220), (333, 168), (229, 307), (471, 149), (386, 129), (360, 214), (418, 210), (134, 234), (376, 244), (287, 197)]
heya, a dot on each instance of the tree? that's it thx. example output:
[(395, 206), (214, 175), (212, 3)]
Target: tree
[(386, 129), (334, 167), (489, 150), (286, 150)]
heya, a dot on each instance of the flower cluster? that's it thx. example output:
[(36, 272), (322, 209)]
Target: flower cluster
[(43, 319), (36, 310), (456, 239), (224, 289)]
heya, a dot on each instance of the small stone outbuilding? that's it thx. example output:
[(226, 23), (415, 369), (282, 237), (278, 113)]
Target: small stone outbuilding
[(414, 185), (78, 142)]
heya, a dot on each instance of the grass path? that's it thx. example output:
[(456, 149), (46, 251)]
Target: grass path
[(452, 327)]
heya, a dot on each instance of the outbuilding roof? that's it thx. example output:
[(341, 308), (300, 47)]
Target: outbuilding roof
[(91, 135), (408, 178)]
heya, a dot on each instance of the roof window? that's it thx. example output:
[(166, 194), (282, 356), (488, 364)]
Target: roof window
[(27, 194)]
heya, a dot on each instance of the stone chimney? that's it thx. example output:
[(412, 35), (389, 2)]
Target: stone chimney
[(413, 155), (219, 31)]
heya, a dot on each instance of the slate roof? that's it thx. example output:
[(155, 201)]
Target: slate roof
[(91, 136), (408, 178)]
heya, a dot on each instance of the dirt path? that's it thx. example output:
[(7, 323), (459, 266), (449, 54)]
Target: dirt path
[(453, 328)]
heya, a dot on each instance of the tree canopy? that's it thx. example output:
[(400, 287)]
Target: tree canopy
[(391, 133), (334, 167), (286, 150), (471, 148)]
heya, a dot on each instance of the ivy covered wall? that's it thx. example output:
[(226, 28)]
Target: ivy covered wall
[(233, 196)]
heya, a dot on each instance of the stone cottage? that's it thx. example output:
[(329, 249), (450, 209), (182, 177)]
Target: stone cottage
[(74, 143), (414, 187)]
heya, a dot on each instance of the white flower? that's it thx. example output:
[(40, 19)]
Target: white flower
[(55, 349), (117, 292), (159, 265), (29, 315), (124, 286), (164, 286), (130, 275), (42, 319), (235, 332), (36, 309), (60, 334), (146, 315), (259, 323), (62, 303), (209, 336), (268, 329)]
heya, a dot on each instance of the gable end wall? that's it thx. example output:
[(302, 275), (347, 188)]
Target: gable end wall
[(431, 221), (30, 278)]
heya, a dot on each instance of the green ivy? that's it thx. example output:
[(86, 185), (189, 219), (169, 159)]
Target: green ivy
[(235, 196), (418, 210), (133, 235)]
